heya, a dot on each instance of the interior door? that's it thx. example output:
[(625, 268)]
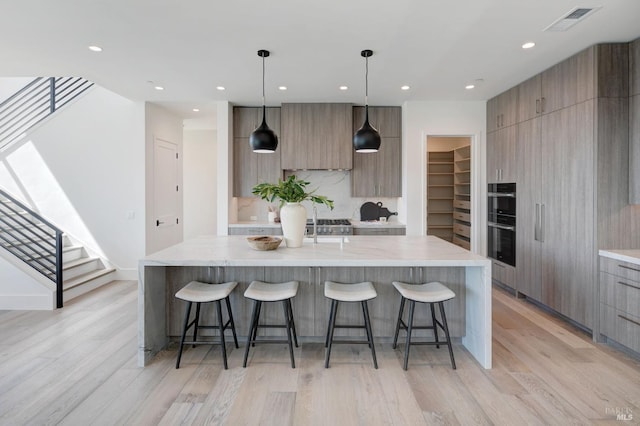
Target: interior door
[(166, 193)]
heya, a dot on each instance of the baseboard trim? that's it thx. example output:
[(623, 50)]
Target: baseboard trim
[(27, 302), (127, 274)]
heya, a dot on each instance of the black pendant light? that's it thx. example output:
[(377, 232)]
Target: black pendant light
[(263, 139), (367, 138)]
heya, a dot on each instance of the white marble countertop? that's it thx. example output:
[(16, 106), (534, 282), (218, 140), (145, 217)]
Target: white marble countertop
[(377, 224), (629, 255), (254, 224), (354, 223), (387, 251)]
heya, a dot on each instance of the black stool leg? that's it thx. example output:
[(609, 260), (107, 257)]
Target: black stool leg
[(292, 322), (285, 310), (412, 307), (369, 337), (435, 324), (195, 329), (233, 325), (395, 337), (221, 327), (255, 330), (367, 324), (254, 323), (326, 341), (446, 332), (184, 333), (332, 324)]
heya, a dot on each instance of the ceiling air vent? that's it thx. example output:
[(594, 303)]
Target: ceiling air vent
[(571, 18)]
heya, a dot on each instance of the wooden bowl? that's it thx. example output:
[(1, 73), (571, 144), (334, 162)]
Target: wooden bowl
[(264, 242)]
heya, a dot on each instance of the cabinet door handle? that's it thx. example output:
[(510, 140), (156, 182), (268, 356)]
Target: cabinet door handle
[(536, 226), (501, 120), (498, 120), (497, 175), (629, 267), (629, 319), (542, 223), (542, 104), (628, 285), (537, 106)]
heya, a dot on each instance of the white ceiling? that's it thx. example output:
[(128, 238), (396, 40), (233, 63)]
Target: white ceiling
[(192, 46)]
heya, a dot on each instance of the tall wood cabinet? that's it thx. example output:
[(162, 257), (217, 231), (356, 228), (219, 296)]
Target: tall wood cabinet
[(634, 127), (317, 136), (250, 168), (379, 174), (570, 189), (502, 110)]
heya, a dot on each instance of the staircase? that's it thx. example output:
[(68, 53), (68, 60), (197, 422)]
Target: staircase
[(46, 249)]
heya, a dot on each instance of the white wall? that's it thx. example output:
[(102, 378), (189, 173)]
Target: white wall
[(82, 169), (20, 291), (200, 182), (162, 124), (10, 85), (432, 118)]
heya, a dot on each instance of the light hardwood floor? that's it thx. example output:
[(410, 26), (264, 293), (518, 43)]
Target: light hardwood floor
[(77, 366)]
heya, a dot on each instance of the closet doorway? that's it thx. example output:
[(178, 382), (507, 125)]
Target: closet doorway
[(449, 189)]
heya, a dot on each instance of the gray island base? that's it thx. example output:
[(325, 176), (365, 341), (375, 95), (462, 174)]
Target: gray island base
[(381, 260)]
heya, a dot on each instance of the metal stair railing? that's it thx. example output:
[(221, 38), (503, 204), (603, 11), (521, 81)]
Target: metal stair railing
[(35, 102), (32, 239)]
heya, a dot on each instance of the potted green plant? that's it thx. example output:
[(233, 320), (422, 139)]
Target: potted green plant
[(293, 215)]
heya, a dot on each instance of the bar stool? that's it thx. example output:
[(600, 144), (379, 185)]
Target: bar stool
[(260, 292), (198, 292), (433, 292), (359, 292)]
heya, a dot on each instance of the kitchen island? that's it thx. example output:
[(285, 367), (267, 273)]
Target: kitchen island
[(412, 259)]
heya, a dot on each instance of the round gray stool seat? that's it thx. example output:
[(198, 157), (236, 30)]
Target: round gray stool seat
[(349, 292), (271, 292), (199, 292), (426, 293)]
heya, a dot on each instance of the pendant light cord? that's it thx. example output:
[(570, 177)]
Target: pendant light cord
[(366, 81), (263, 81)]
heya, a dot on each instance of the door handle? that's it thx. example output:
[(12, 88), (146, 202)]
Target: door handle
[(158, 223), (542, 104), (498, 120), (542, 223), (536, 226), (537, 106), (499, 226)]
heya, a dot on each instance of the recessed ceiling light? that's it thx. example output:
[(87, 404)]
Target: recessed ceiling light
[(196, 110), (343, 88), (220, 87), (405, 88), (159, 88), (95, 48), (282, 87), (528, 45), (469, 86)]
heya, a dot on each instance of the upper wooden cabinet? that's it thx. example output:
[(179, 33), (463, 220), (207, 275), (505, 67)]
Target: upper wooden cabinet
[(501, 155), (379, 174), (502, 110), (250, 168), (317, 136), (634, 63)]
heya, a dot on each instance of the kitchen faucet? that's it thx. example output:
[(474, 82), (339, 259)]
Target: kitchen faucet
[(315, 225)]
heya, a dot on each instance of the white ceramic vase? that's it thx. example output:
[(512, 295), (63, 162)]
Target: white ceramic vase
[(293, 217)]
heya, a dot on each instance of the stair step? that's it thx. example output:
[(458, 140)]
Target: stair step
[(81, 279), (71, 252), (75, 268)]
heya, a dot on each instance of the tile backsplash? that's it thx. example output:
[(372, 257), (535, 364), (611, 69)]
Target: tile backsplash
[(336, 185)]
